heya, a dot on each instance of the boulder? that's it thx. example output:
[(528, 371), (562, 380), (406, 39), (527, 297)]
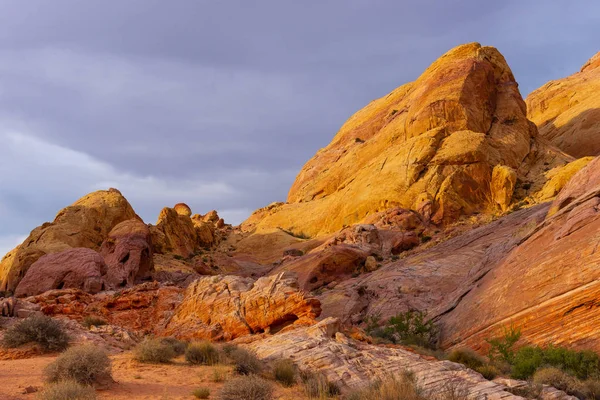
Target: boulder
[(227, 307), (127, 252), (174, 233), (77, 268), (183, 209), (430, 145), (567, 111), (86, 223)]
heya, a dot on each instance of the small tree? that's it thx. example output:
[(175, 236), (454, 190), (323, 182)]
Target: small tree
[(502, 347)]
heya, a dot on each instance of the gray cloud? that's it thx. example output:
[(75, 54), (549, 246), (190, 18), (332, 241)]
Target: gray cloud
[(219, 103)]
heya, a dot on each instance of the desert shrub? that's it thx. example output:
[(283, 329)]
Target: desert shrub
[(502, 348), (452, 389), (201, 393), (177, 345), (592, 388), (247, 388), (393, 388), (318, 386), (67, 390), (466, 357), (529, 390), (245, 362), (284, 372), (410, 327), (228, 348), (202, 353), (488, 371), (40, 329), (553, 377), (219, 374), (91, 320), (153, 351), (581, 364), (87, 364)]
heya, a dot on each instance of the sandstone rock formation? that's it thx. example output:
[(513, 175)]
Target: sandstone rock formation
[(182, 234), (558, 177), (144, 308), (567, 111), (226, 307), (431, 144), (78, 268), (549, 285), (127, 252), (433, 279), (353, 364), (86, 223)]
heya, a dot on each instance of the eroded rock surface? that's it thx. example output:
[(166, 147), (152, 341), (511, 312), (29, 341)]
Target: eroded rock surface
[(430, 145), (128, 253), (567, 111), (226, 307), (86, 223), (77, 268), (353, 364)]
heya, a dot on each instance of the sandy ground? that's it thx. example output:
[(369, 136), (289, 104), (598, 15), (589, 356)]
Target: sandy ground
[(134, 380)]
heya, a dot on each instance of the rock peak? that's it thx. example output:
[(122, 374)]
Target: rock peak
[(592, 63)]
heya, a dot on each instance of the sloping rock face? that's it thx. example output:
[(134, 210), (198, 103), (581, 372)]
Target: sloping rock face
[(128, 253), (557, 179), (78, 268), (433, 279), (226, 307), (435, 141), (353, 364), (86, 223), (144, 308), (549, 285), (567, 111)]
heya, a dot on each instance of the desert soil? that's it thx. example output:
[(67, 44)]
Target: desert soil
[(133, 380)]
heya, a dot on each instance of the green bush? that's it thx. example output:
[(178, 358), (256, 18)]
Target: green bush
[(284, 372), (247, 388), (153, 351), (178, 346), (67, 390), (502, 348), (581, 364), (245, 362), (410, 327), (202, 353), (40, 329), (87, 365), (402, 387), (466, 357), (201, 393), (91, 320)]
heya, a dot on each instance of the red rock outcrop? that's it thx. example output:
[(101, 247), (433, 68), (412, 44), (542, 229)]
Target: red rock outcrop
[(86, 223), (431, 145), (226, 307), (567, 111), (78, 268), (127, 252), (174, 233), (144, 308)]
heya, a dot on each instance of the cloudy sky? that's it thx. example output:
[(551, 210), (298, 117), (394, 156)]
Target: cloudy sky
[(219, 103)]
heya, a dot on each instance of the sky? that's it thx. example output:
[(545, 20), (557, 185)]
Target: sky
[(219, 103)]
